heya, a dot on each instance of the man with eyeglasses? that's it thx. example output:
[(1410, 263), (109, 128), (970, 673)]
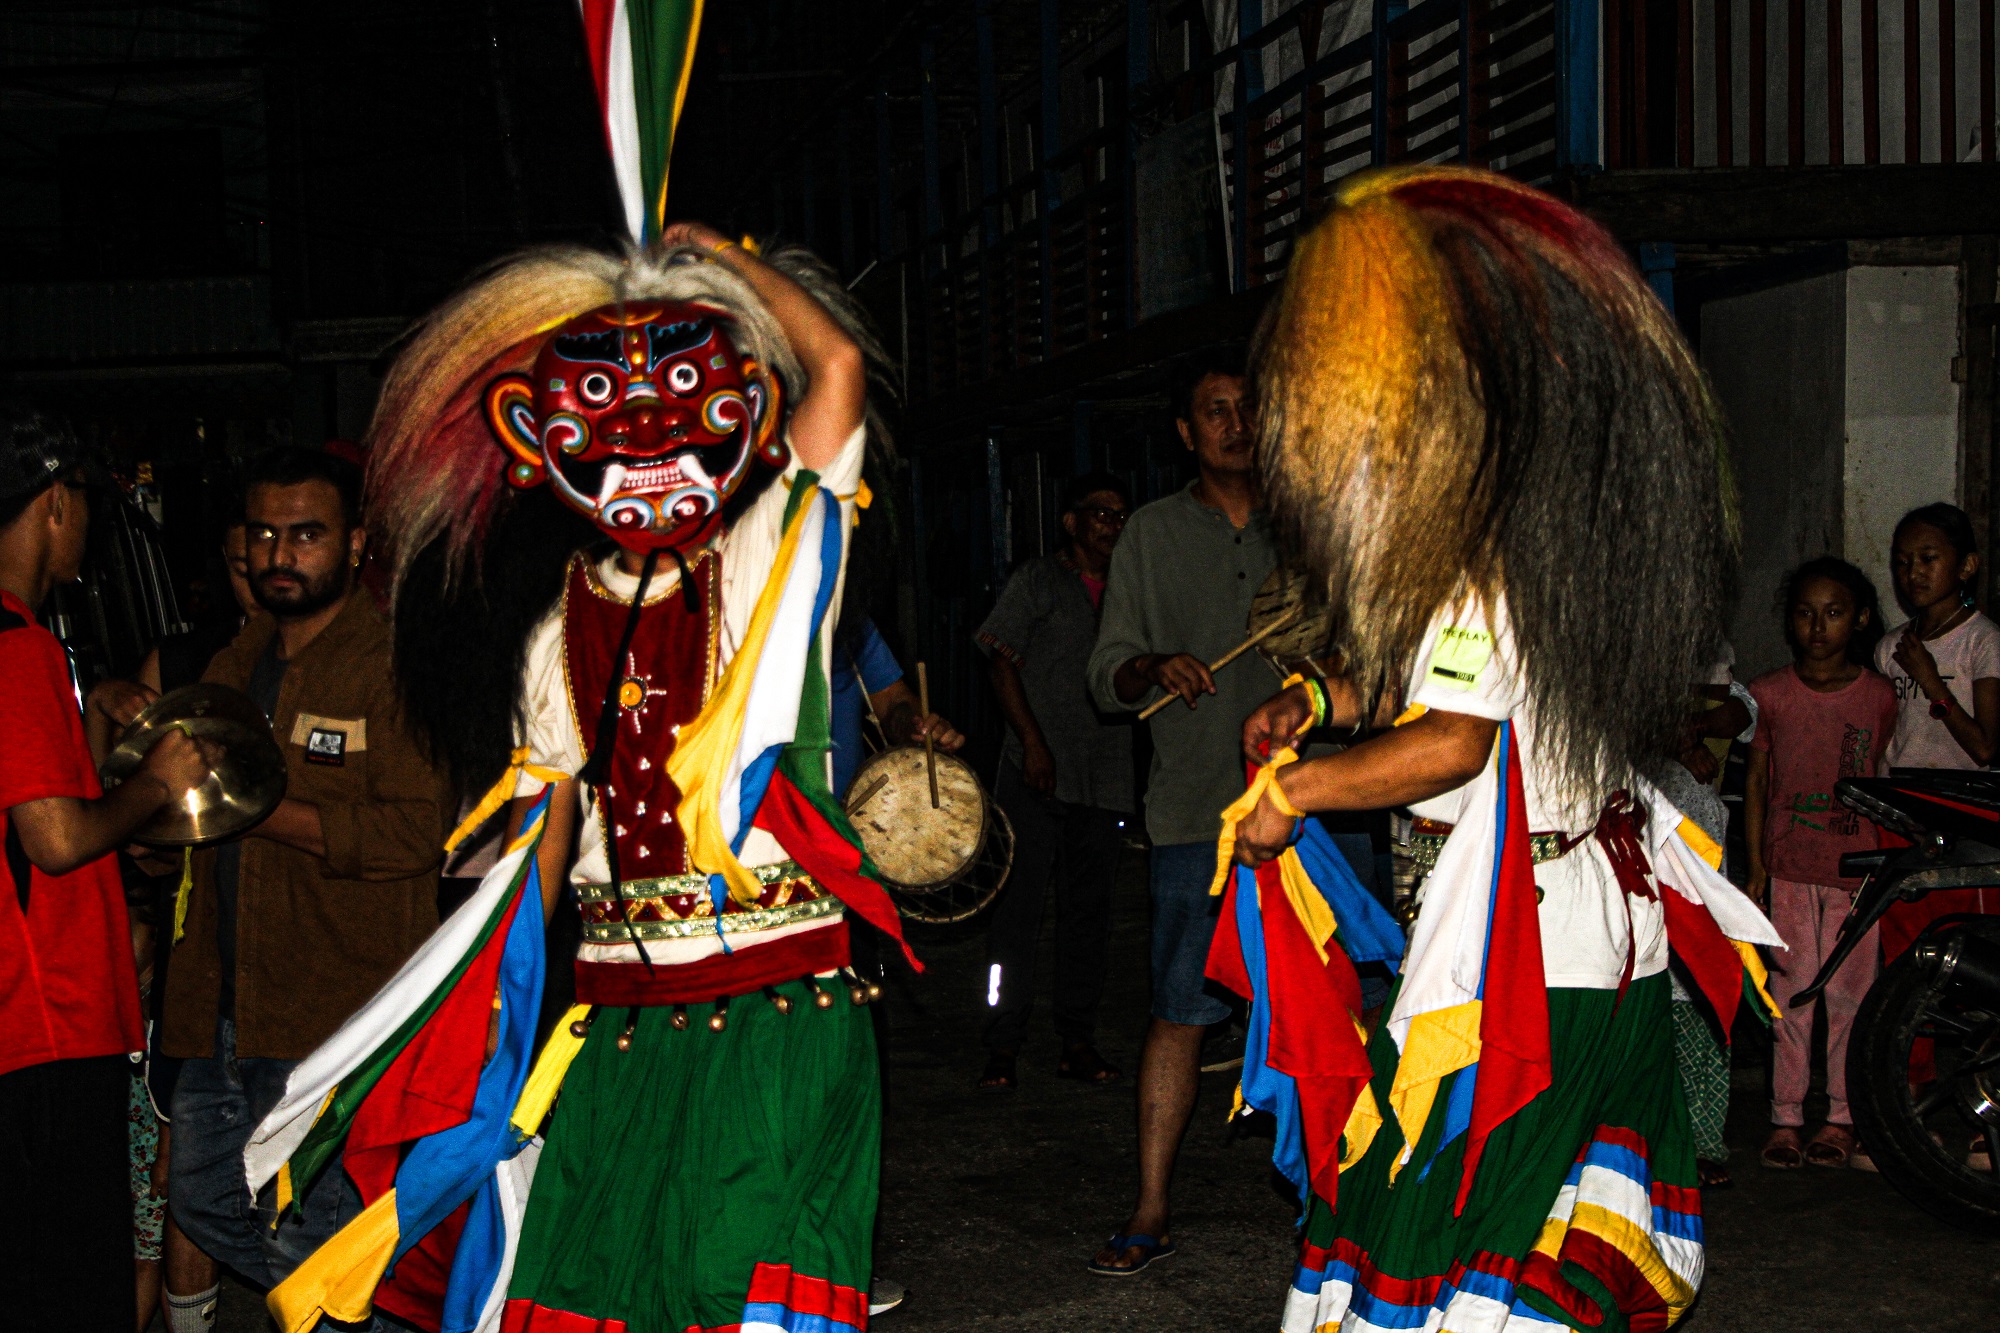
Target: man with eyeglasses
[(1065, 783)]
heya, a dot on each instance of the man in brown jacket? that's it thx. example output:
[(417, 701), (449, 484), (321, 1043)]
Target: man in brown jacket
[(291, 928)]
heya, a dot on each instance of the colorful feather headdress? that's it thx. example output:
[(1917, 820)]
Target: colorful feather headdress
[(1466, 385)]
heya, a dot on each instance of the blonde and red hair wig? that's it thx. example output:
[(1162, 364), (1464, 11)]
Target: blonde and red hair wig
[(1467, 389), (475, 564)]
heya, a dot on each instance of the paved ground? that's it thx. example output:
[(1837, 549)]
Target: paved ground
[(991, 1204)]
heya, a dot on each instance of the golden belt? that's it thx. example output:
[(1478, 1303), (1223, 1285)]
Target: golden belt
[(672, 907)]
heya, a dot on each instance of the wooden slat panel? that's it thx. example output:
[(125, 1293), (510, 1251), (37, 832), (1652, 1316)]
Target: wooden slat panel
[(1871, 82), (1836, 95), (1725, 87), (1913, 85), (1760, 27), (1947, 47), (1684, 85), (1986, 80), (1795, 83)]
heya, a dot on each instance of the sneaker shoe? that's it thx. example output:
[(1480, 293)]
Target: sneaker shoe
[(884, 1295)]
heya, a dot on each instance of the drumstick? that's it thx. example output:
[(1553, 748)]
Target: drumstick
[(924, 707), (1225, 659)]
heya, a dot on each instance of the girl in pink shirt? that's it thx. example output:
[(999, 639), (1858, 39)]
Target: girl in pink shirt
[(1824, 718)]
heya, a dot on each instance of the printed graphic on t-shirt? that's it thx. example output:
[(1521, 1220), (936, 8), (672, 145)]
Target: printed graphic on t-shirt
[(1907, 688), (1460, 657), (1821, 811)]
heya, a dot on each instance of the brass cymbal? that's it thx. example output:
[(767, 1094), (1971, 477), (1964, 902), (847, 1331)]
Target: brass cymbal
[(246, 779)]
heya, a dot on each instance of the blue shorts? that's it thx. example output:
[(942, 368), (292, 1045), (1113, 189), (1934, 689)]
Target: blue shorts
[(1184, 918)]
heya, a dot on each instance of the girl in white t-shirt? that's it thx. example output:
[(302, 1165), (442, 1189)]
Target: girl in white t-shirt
[(1945, 664), (1945, 659)]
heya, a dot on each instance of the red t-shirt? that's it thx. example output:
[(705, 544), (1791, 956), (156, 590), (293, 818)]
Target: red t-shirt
[(68, 989), (1815, 740)]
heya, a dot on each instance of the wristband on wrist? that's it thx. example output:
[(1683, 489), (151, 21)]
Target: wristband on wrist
[(1315, 695), (1941, 708)]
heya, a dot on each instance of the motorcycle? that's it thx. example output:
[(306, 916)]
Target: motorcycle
[(1945, 990)]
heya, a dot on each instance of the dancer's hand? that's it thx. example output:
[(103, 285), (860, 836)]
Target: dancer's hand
[(1263, 834), (1279, 721)]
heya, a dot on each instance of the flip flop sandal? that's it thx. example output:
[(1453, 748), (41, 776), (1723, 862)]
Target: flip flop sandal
[(1713, 1175), (1782, 1155), (1150, 1249), (1827, 1150), (999, 1075), (1085, 1065)]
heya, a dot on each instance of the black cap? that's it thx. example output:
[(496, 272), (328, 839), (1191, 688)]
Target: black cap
[(37, 448)]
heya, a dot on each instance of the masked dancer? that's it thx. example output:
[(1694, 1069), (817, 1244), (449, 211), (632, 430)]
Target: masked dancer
[(1489, 441)]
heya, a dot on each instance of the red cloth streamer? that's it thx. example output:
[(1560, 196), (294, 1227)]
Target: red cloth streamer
[(1312, 1028), (430, 1085), (1514, 1061), (828, 857), (1707, 954)]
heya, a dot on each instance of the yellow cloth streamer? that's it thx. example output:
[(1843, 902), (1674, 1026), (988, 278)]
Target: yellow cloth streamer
[(1239, 810), (339, 1278), (699, 765), (1704, 846), (1440, 1042), (1308, 903), (539, 1093), (1753, 964), (501, 792)]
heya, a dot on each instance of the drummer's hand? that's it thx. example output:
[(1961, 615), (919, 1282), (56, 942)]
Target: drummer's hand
[(177, 761), (941, 733), (1278, 722), (1038, 767), (1180, 673), (1264, 832), (118, 701)]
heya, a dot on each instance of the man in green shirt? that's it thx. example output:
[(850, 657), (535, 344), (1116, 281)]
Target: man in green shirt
[(1179, 597)]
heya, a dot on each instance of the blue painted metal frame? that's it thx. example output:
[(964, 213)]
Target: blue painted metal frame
[(1657, 262), (1576, 68)]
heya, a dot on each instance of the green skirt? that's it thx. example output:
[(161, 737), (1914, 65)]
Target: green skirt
[(706, 1180), (1584, 1211)]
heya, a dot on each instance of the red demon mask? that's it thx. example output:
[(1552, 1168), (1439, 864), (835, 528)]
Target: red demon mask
[(644, 417)]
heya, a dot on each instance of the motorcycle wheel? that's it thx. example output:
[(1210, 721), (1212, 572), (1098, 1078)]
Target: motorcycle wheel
[(1897, 1124)]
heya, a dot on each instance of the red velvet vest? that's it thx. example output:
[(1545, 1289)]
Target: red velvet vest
[(663, 682)]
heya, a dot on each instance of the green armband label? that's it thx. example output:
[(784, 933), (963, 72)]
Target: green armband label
[(1461, 657)]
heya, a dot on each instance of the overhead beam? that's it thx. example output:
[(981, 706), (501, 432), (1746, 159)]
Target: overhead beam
[(1791, 203)]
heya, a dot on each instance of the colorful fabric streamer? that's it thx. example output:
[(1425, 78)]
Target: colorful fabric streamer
[(1288, 938), (641, 56)]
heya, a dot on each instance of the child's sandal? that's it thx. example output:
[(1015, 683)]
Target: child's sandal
[(1832, 1146), (1781, 1150)]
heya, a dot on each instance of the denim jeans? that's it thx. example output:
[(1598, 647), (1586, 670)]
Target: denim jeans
[(218, 1102), (1184, 917)]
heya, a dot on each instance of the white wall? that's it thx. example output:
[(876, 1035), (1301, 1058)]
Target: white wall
[(1901, 406), (1776, 359)]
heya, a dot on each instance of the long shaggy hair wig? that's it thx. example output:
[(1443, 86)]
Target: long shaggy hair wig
[(1466, 389), (473, 564)]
